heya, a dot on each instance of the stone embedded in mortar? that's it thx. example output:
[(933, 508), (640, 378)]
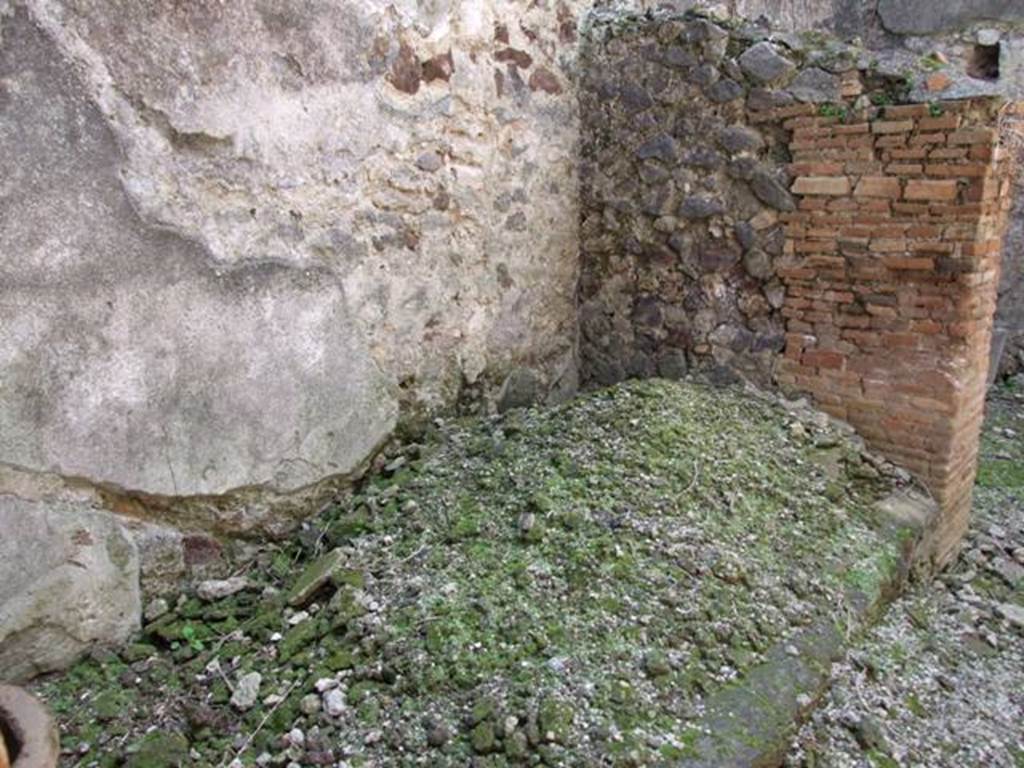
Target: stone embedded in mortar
[(699, 207), (705, 76), (430, 162), (740, 138), (815, 86), (724, 90), (763, 98), (770, 191), (758, 264), (661, 147), (764, 63), (703, 157)]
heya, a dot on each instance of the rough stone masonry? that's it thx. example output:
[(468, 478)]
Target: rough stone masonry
[(241, 244), (746, 195)]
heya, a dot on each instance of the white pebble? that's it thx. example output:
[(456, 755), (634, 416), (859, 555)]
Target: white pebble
[(334, 702)]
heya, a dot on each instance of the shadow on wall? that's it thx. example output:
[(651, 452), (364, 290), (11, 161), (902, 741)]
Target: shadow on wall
[(1008, 337)]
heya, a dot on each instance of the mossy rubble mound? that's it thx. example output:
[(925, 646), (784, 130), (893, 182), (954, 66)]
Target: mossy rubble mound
[(589, 584)]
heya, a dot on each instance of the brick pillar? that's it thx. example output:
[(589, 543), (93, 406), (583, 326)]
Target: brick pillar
[(891, 270)]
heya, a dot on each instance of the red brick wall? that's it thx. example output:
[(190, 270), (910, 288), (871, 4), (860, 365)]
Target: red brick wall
[(891, 267)]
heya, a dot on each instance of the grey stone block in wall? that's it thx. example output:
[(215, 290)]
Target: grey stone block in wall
[(764, 63), (815, 86)]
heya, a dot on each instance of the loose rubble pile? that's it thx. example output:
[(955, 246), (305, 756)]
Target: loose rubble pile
[(566, 586), (941, 681)]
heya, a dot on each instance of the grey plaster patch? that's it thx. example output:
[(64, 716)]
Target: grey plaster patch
[(129, 358), (924, 17)]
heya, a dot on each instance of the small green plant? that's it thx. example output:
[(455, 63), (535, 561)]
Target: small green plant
[(188, 634), (931, 62), (833, 110), (935, 109)]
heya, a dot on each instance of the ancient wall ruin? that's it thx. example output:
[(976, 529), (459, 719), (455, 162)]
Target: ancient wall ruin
[(241, 244), (744, 197)]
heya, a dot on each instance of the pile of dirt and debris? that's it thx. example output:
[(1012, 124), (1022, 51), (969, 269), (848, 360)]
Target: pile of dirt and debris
[(658, 571)]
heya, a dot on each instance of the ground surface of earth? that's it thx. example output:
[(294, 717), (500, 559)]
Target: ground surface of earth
[(570, 586)]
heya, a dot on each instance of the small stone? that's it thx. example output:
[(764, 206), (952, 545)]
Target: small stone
[(325, 684), (296, 737), (656, 664), (737, 138), (758, 264), (771, 192), (297, 618), (316, 575), (1013, 613), (723, 91), (697, 207), (334, 702), (217, 589), (430, 162), (156, 608), (247, 691), (309, 704), (764, 64), (438, 735)]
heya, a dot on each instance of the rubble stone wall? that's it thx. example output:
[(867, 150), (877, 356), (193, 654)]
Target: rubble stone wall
[(746, 195)]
